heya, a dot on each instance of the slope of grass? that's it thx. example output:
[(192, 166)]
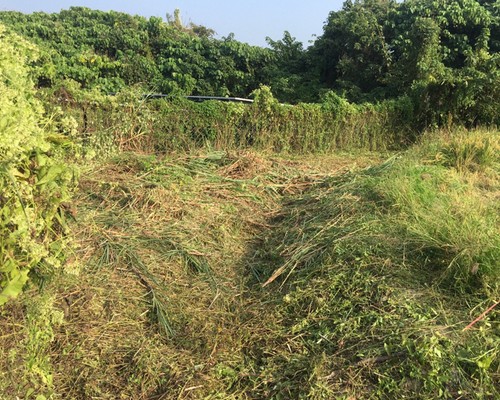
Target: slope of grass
[(379, 271), (251, 276)]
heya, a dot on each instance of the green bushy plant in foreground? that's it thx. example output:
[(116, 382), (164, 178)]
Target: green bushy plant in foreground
[(32, 184)]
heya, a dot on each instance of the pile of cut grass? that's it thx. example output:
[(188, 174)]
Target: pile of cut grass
[(160, 308), (252, 276)]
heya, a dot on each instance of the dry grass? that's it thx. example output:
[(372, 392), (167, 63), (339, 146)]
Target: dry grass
[(161, 308), (170, 304)]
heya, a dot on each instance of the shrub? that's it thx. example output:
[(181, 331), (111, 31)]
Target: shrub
[(32, 184), (130, 121)]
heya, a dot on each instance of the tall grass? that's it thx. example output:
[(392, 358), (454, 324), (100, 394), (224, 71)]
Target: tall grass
[(446, 223), (444, 211), (468, 151), (379, 271)]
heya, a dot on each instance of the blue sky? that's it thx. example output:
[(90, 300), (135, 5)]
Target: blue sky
[(250, 20)]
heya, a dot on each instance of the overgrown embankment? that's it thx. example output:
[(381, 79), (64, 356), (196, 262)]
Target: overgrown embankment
[(378, 271), (131, 121)]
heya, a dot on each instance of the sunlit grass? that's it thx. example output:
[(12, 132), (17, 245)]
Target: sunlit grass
[(245, 275)]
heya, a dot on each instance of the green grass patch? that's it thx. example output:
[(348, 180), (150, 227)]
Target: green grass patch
[(380, 270)]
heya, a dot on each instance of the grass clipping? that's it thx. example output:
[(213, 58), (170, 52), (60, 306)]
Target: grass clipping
[(381, 270), (370, 276)]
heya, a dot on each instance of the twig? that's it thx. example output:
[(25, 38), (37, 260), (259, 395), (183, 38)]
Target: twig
[(372, 360), (481, 316)]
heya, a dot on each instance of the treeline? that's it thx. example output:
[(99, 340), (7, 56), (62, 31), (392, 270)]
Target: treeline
[(113, 50), (441, 54)]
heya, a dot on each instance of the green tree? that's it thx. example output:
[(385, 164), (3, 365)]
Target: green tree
[(111, 50), (354, 52), (444, 57), (292, 74)]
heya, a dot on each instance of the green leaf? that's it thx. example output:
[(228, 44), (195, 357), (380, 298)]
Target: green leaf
[(14, 286), (50, 174), (485, 362)]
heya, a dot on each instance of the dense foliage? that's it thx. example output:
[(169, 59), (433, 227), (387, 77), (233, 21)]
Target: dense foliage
[(112, 50), (441, 53), (32, 184), (128, 121)]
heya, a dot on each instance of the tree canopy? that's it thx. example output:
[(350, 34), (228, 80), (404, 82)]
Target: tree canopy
[(444, 54)]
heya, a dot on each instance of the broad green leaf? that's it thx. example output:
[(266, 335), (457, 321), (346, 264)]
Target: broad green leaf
[(14, 287), (50, 175)]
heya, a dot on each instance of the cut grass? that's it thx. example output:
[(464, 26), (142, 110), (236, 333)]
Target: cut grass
[(170, 302), (159, 303), (364, 299), (379, 271)]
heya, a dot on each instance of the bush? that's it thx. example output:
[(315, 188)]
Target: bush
[(32, 184), (132, 122)]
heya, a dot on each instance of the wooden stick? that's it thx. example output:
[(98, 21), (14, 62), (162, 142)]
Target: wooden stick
[(481, 316)]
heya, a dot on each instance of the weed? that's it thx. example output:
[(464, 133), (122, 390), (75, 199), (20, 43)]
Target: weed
[(471, 151)]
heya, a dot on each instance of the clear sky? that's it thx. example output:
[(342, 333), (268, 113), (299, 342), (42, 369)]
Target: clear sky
[(250, 20)]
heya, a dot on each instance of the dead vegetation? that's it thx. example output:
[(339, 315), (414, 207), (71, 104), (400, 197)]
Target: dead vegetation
[(161, 307), (244, 275)]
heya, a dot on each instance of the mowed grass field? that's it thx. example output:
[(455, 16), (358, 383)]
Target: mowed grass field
[(253, 275)]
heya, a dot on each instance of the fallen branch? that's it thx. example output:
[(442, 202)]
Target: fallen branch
[(481, 316)]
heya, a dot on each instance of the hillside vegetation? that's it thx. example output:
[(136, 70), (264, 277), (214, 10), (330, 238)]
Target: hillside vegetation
[(440, 54), (339, 238)]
